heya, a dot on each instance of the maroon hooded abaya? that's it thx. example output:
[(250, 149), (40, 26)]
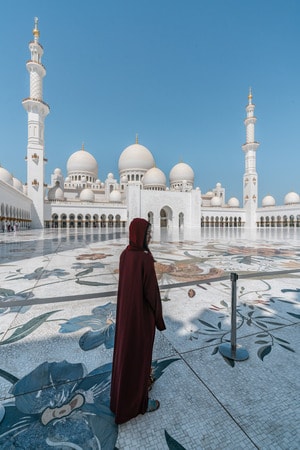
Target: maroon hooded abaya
[(139, 311)]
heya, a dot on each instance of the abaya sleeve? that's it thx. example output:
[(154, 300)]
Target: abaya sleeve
[(151, 292)]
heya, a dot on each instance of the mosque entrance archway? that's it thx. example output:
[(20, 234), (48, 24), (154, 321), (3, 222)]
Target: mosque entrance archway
[(95, 220), (110, 220), (79, 220), (63, 222), (54, 221), (103, 221), (181, 220), (72, 221), (118, 221), (151, 217), (165, 217), (87, 221)]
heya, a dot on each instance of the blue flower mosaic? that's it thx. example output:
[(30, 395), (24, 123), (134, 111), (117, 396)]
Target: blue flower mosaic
[(102, 323), (59, 405)]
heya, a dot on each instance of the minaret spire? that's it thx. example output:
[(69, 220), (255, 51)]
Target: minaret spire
[(35, 31), (250, 188), (250, 96), (37, 110)]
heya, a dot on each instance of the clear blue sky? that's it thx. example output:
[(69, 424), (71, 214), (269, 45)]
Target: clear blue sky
[(177, 72)]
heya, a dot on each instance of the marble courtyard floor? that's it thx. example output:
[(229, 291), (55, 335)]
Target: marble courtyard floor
[(57, 322)]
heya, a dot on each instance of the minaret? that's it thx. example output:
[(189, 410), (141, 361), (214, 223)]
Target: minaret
[(250, 189), (37, 110)]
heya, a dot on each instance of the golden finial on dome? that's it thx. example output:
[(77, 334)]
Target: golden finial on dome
[(35, 31), (136, 138), (82, 147)]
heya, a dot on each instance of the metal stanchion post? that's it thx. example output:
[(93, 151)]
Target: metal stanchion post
[(231, 350)]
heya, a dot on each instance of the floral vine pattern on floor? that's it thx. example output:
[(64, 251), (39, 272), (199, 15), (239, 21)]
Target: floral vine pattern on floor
[(62, 404), (256, 313)]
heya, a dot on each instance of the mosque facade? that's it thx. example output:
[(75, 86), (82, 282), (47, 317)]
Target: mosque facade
[(80, 199)]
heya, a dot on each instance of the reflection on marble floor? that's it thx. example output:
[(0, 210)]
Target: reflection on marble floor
[(58, 304)]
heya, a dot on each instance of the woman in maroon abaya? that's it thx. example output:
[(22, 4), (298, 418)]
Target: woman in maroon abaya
[(139, 312)]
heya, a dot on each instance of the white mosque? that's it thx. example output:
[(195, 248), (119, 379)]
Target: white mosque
[(80, 199)]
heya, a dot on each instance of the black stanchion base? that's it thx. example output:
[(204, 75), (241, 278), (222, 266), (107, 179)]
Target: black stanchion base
[(237, 354)]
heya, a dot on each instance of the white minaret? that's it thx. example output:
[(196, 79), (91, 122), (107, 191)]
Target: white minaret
[(37, 110), (250, 176)]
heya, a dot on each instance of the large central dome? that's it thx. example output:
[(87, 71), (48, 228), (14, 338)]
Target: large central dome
[(136, 157), (82, 162)]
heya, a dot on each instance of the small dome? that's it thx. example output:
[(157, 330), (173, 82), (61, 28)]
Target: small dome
[(17, 184), (59, 194), (154, 177), (209, 194), (218, 185), (87, 195), (233, 202), (216, 201), (82, 162), (181, 172), (98, 181), (110, 176), (115, 196), (136, 157), (291, 198), (6, 176), (56, 193), (124, 179), (57, 171), (268, 200), (67, 180)]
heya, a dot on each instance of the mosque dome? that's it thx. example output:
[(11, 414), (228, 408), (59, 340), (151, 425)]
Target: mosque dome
[(268, 200), (216, 201), (6, 176), (115, 196), (137, 157), (17, 184), (59, 194), (82, 162), (56, 193), (181, 172), (87, 195), (154, 177), (124, 179), (110, 176), (291, 198), (233, 202), (57, 171)]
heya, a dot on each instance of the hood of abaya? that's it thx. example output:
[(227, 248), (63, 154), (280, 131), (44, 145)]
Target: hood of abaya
[(137, 234)]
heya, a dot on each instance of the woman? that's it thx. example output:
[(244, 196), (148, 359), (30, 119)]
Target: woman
[(139, 312)]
